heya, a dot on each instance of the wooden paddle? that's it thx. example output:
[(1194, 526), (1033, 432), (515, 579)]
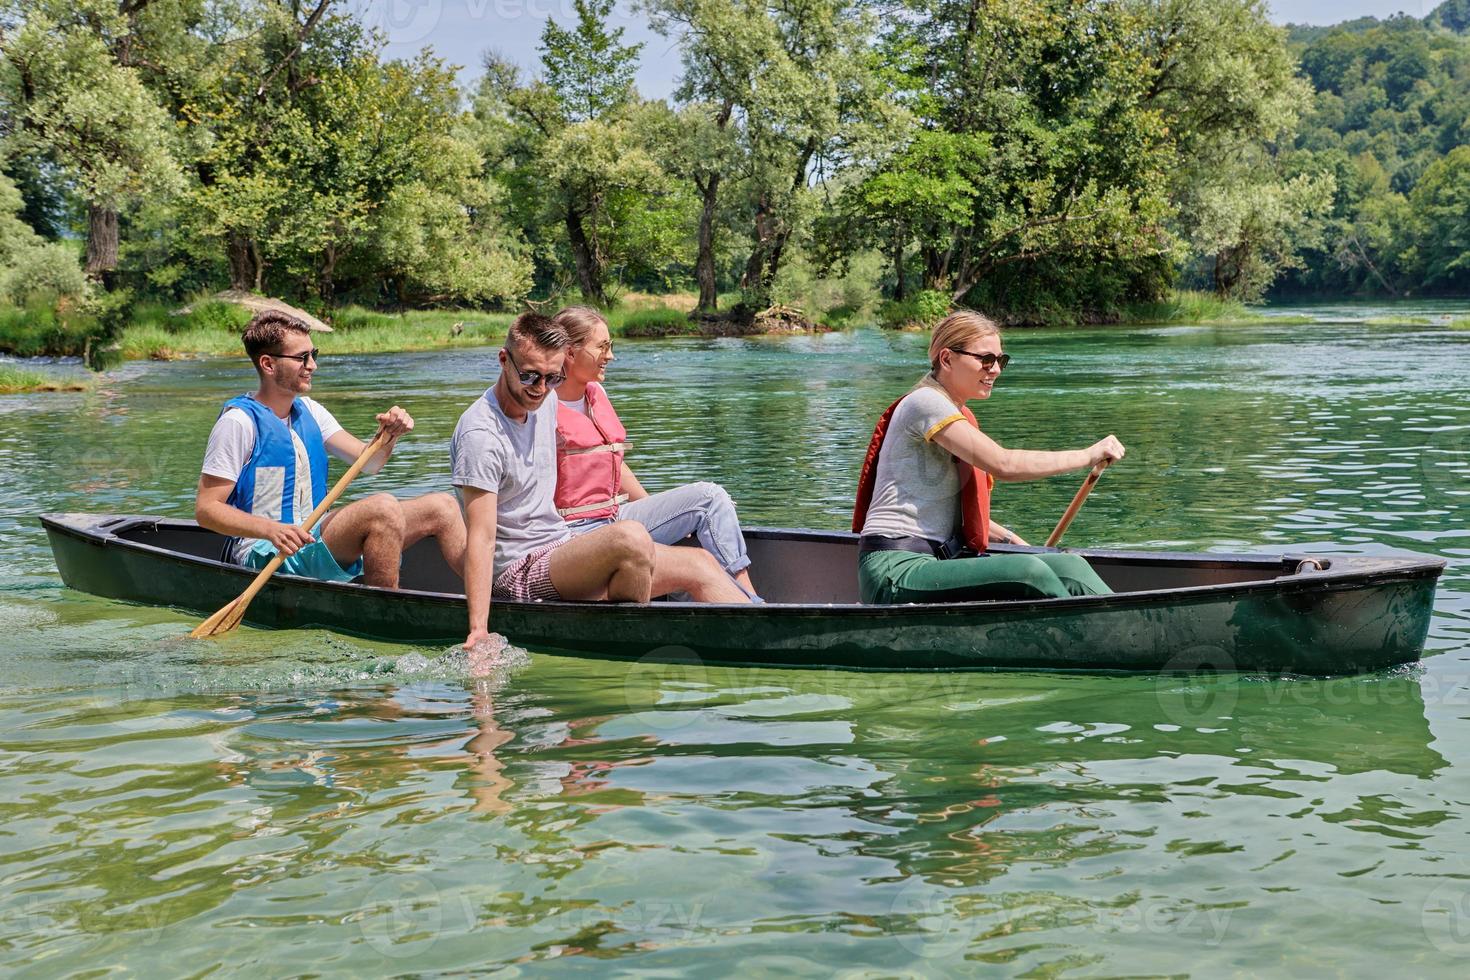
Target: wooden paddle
[(229, 617), (1076, 504)]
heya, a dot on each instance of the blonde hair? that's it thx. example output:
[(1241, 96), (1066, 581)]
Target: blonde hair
[(957, 330), (578, 322)]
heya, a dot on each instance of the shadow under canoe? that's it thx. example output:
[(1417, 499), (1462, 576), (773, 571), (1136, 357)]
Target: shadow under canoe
[(1170, 611)]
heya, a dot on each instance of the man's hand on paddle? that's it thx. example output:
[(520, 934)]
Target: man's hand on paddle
[(395, 422), (1109, 449), (289, 538)]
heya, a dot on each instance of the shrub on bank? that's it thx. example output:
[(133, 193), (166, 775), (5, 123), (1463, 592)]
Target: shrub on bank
[(656, 322), (45, 327), (1188, 306), (920, 311), (43, 273)]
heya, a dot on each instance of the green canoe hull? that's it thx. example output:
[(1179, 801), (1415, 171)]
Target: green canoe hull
[(1257, 613)]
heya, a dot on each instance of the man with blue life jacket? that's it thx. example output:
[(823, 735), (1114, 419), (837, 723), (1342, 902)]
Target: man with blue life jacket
[(503, 464), (265, 471)]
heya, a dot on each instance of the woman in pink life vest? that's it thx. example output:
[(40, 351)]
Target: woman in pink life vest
[(594, 485), (924, 493)]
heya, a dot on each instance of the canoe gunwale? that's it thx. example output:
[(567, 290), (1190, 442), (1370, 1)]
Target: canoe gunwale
[(1347, 573)]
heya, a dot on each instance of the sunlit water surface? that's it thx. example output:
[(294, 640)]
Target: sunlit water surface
[(309, 803)]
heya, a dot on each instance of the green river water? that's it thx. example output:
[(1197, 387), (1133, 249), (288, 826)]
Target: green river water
[(284, 803)]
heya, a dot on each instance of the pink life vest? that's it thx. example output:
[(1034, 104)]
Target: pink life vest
[(589, 458)]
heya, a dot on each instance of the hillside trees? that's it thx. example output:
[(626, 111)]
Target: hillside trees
[(75, 95)]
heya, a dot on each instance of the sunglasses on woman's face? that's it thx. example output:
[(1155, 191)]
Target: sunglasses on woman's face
[(987, 360), (530, 379)]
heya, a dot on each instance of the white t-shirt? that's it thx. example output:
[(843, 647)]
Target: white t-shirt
[(231, 442), (916, 490), (579, 406)]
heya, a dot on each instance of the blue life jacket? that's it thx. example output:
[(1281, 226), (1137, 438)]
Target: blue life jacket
[(267, 484)]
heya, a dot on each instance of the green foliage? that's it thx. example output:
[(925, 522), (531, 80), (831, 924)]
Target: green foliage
[(1190, 306), (46, 328), (835, 297), (1439, 250), (49, 270), (588, 67), (1044, 160), (1392, 103), (919, 312), (14, 381), (656, 322)]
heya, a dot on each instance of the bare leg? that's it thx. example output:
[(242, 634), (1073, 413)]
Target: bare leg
[(613, 562), (370, 529), (436, 515), (692, 570), (743, 577)]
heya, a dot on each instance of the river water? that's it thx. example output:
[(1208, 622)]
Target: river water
[(306, 802)]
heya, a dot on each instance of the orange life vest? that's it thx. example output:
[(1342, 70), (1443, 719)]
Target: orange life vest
[(589, 458), (975, 486)]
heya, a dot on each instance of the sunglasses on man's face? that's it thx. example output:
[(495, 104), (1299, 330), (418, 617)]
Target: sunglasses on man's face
[(530, 379), (303, 357), (987, 360)]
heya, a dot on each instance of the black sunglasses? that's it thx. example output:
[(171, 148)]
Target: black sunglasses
[(311, 355), (530, 379), (987, 360)]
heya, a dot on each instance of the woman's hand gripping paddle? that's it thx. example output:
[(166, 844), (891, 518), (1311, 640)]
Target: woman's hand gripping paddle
[(230, 616), (1076, 504)]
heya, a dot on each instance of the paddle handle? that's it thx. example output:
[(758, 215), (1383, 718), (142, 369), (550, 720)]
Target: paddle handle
[(229, 617), (1076, 504)]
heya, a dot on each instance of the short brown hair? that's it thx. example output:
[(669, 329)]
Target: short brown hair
[(266, 332), (957, 330), (578, 322), (538, 330)]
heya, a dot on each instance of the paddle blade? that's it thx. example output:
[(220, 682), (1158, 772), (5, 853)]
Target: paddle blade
[(221, 622)]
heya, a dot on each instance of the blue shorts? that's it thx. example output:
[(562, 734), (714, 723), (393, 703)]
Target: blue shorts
[(314, 561)]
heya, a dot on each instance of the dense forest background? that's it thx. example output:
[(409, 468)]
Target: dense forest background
[(1035, 158)]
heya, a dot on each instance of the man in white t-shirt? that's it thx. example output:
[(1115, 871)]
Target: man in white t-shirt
[(265, 471)]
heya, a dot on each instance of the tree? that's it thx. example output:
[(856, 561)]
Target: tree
[(1439, 253), (1033, 112), (776, 93), (68, 72)]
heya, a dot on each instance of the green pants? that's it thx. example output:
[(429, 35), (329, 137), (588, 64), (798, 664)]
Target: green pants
[(887, 577)]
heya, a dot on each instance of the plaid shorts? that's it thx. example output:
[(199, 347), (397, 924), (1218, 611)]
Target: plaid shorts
[(528, 578)]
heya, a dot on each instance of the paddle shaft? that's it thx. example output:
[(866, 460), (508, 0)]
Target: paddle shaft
[(1076, 504), (229, 617)]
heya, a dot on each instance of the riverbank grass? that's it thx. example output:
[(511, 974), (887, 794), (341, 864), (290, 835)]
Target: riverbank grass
[(1398, 321), (156, 335), (1191, 306), (19, 381)]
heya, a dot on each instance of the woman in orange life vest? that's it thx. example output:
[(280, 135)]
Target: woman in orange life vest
[(594, 486), (929, 468)]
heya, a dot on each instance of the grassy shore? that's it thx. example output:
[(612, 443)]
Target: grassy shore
[(17, 381), (212, 329), (354, 331), (1188, 306), (158, 335)]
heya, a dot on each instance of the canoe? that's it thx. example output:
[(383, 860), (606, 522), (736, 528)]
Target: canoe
[(1271, 613)]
